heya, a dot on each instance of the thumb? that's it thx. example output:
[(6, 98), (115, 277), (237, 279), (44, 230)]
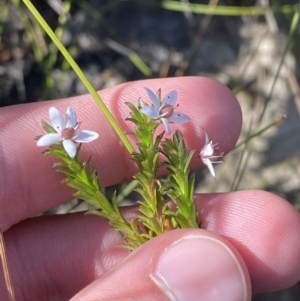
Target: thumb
[(181, 265)]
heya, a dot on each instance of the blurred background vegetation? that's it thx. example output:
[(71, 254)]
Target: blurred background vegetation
[(252, 46)]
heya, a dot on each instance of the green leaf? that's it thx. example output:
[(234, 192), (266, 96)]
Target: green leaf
[(47, 127)]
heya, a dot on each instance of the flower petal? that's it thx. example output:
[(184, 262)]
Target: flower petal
[(153, 98), (210, 167), (49, 139), (70, 147), (206, 138), (86, 136), (57, 120), (180, 118), (170, 98), (71, 118), (167, 126), (207, 150), (150, 111)]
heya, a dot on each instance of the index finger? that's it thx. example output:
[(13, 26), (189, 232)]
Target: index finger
[(29, 185)]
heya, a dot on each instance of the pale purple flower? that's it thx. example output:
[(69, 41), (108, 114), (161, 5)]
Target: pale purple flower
[(209, 154), (66, 131), (164, 110)]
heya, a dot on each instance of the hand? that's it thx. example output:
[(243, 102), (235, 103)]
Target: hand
[(250, 237)]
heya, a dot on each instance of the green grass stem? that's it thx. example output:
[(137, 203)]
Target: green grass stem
[(273, 123), (220, 10)]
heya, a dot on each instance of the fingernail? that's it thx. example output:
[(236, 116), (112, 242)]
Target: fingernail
[(200, 268)]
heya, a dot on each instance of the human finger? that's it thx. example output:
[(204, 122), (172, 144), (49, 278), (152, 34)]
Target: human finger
[(263, 227), (29, 185), (66, 254), (265, 230), (181, 265)]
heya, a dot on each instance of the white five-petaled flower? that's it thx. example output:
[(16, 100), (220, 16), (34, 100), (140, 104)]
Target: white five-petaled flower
[(66, 131), (164, 110), (209, 156)]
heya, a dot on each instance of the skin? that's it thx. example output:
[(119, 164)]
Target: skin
[(60, 257)]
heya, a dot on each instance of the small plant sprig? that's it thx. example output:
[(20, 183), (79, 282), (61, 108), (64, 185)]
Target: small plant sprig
[(146, 159), (179, 186), (166, 204), (64, 140)]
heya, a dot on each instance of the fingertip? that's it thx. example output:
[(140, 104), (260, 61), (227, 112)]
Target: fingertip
[(204, 266), (178, 265), (265, 230)]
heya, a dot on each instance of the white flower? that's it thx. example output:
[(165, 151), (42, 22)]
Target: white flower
[(208, 155), (66, 131), (164, 110)]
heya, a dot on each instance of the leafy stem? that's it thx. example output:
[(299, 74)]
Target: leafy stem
[(146, 159), (179, 186), (83, 178)]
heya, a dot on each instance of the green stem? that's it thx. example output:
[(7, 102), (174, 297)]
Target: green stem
[(220, 9), (258, 133)]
